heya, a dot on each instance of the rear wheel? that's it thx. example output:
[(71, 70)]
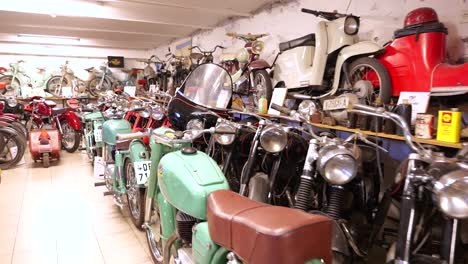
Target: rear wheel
[(70, 137), (375, 74), (262, 86), (18, 126), (12, 148), (46, 160), (94, 87), (55, 83), (11, 85), (135, 195)]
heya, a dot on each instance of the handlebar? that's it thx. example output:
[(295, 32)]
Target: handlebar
[(207, 52), (326, 15), (195, 133)]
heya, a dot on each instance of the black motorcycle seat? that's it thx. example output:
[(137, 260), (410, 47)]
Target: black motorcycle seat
[(419, 29), (307, 40)]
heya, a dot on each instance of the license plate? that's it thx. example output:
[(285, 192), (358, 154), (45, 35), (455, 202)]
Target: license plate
[(98, 135), (336, 103), (142, 171)]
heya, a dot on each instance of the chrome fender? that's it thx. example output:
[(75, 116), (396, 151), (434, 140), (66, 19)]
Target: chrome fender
[(362, 48)]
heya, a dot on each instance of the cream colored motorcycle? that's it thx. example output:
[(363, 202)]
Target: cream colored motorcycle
[(332, 61)]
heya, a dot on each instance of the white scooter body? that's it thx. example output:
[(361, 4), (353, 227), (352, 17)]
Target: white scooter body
[(305, 66)]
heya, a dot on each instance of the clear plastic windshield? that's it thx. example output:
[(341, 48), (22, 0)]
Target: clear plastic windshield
[(209, 85)]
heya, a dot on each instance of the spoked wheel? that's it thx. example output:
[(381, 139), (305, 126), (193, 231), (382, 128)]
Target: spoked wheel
[(12, 148), (70, 138), (55, 83), (371, 78), (262, 86), (11, 85), (153, 238), (94, 87), (135, 196)]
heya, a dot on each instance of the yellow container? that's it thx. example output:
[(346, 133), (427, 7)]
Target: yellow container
[(449, 126), (262, 105)]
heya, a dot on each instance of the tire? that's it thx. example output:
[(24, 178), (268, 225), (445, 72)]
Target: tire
[(7, 79), (94, 82), (155, 247), (263, 86), (375, 71), (76, 137), (46, 160), (135, 196), (10, 140), (31, 124), (18, 126), (53, 83)]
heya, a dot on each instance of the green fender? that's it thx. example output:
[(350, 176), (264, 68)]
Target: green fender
[(137, 152), (167, 215)]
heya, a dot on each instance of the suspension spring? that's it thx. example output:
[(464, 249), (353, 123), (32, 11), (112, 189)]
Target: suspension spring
[(304, 193), (335, 202)]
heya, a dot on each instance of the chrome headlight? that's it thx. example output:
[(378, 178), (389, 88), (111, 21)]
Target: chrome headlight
[(337, 164), (257, 47), (225, 139), (12, 102), (195, 124), (157, 113), (307, 108), (452, 193), (273, 138), (351, 25), (144, 114)]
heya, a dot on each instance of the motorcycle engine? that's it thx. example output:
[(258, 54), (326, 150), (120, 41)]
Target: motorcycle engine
[(185, 224), (341, 115)]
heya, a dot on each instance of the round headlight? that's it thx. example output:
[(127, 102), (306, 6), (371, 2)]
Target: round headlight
[(257, 47), (307, 108), (351, 25), (144, 114), (452, 193), (12, 102), (195, 124), (225, 139), (157, 113), (273, 138), (337, 164)]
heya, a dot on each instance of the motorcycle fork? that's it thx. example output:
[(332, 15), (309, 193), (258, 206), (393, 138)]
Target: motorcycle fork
[(449, 240), (273, 175), (407, 217), (59, 126), (245, 177), (157, 152)]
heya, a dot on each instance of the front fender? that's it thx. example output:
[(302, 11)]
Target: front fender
[(71, 119), (138, 152), (363, 48), (258, 65)]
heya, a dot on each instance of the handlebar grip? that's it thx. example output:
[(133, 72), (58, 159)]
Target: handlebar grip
[(309, 11), (131, 136), (89, 110), (281, 109)]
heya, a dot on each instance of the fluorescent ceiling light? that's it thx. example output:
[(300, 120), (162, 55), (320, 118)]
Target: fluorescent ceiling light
[(48, 37)]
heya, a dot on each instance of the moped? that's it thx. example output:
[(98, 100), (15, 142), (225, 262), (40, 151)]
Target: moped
[(66, 78), (190, 213), (416, 58), (102, 81), (17, 77), (251, 79), (332, 61), (41, 113)]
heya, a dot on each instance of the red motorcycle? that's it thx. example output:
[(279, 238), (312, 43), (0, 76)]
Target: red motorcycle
[(42, 113), (416, 58), (11, 118)]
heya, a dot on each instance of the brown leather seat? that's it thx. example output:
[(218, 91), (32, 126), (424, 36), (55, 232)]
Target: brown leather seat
[(261, 233)]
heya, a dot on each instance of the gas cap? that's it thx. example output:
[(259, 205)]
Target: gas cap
[(189, 150)]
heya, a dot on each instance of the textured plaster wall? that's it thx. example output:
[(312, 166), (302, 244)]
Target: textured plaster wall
[(378, 21)]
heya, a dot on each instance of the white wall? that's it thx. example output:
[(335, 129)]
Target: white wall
[(378, 21)]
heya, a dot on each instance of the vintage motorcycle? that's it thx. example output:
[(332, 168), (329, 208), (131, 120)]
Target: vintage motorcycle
[(103, 80), (332, 60), (67, 78), (17, 77), (11, 112), (416, 58), (194, 224), (12, 146), (431, 191), (251, 79), (41, 113), (92, 120)]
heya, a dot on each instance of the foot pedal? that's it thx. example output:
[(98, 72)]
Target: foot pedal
[(96, 184), (108, 193)]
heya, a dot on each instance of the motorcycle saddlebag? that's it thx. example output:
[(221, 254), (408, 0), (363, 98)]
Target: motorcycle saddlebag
[(35, 144)]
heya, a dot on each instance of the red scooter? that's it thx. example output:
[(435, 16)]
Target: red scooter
[(416, 58), (44, 145), (43, 112)]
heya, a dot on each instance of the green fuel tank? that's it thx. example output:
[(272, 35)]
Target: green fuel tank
[(112, 127), (186, 178)]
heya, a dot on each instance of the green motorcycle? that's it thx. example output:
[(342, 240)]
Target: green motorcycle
[(92, 120), (192, 217)]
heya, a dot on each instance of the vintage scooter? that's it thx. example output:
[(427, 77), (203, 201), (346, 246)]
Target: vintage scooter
[(251, 79), (191, 216), (332, 61), (417, 58), (127, 163), (44, 145)]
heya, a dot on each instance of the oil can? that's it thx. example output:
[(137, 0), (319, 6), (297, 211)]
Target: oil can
[(449, 124)]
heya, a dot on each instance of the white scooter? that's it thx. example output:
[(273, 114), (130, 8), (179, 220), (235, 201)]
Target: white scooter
[(332, 60)]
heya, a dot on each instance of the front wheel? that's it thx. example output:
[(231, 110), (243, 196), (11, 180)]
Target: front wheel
[(70, 137), (135, 195), (55, 83), (12, 85), (262, 86), (375, 74), (95, 86), (153, 237)]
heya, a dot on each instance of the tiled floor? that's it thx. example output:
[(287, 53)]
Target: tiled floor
[(56, 215)]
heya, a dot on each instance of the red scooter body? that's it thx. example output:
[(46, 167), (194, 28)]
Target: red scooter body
[(416, 58), (44, 142)]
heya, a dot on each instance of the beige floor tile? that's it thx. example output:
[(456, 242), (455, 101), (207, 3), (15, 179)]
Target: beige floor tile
[(34, 257), (7, 244), (80, 257), (5, 258), (36, 243), (128, 255)]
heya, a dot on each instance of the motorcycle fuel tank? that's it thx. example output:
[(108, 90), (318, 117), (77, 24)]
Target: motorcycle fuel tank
[(187, 178), (111, 128), (93, 116)]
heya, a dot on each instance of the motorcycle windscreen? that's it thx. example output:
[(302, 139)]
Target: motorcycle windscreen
[(208, 85)]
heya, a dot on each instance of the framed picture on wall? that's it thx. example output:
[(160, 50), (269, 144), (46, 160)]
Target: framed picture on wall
[(115, 62)]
